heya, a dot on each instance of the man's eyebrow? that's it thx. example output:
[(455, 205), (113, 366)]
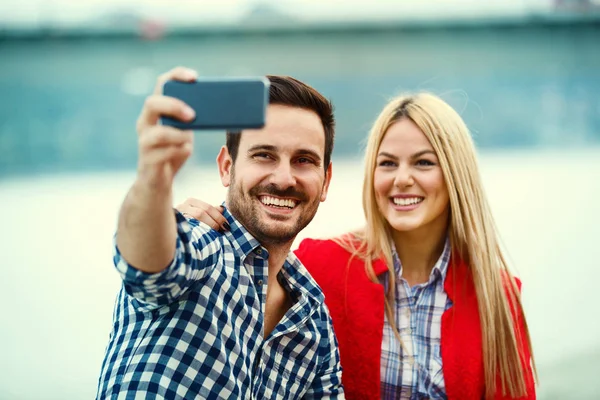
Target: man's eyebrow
[(264, 147), (271, 148), (308, 152)]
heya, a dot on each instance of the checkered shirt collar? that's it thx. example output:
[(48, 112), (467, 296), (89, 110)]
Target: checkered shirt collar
[(294, 271)]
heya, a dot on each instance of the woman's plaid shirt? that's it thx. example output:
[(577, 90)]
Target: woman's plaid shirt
[(418, 311), (195, 330)]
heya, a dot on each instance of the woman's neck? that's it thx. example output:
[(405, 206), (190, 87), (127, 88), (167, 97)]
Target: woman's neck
[(418, 252)]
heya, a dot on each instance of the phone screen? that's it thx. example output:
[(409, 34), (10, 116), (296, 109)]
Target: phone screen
[(221, 103)]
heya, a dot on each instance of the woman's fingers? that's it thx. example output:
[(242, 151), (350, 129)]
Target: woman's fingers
[(217, 216), (204, 212)]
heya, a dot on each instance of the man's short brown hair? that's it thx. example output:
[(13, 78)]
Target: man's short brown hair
[(288, 91)]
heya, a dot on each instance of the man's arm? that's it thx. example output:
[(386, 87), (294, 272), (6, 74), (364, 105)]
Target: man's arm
[(328, 382), (147, 231)]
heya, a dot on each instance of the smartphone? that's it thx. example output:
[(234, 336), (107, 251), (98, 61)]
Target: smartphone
[(221, 103)]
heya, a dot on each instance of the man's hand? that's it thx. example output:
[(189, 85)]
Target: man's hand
[(163, 149), (147, 231), (204, 212)]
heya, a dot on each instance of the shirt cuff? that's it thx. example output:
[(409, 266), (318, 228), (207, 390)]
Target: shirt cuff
[(133, 276)]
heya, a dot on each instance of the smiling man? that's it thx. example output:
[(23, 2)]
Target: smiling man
[(204, 314)]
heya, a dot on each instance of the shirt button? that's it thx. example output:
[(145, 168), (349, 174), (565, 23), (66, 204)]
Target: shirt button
[(259, 252), (409, 331), (259, 282)]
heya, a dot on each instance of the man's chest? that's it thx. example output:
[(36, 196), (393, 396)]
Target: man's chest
[(278, 303)]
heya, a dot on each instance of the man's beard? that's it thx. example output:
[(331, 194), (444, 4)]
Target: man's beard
[(244, 209)]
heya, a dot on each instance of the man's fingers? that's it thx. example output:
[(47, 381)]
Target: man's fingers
[(163, 150), (175, 155), (178, 74), (157, 105), (161, 136)]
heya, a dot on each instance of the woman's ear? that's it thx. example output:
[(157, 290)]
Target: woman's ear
[(225, 164)]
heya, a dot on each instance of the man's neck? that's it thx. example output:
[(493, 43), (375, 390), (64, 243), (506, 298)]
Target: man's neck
[(278, 300), (277, 255)]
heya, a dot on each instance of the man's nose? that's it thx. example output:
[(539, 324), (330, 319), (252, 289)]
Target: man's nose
[(283, 176)]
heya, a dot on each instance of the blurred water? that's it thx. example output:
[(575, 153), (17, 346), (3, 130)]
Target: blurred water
[(71, 103), (59, 283)]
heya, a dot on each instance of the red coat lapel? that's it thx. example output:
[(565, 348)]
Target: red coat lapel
[(357, 309), (462, 361)]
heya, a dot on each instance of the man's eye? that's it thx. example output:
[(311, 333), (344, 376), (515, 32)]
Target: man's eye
[(261, 155), (305, 160)]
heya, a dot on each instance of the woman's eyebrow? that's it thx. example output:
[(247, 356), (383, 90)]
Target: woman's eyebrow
[(388, 155), (423, 152)]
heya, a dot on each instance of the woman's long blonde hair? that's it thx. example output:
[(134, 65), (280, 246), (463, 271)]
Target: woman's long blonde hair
[(472, 231)]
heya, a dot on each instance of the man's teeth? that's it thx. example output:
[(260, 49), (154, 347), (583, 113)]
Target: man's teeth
[(407, 201), (272, 201)]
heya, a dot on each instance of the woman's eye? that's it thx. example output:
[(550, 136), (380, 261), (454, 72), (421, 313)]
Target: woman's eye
[(425, 163), (386, 163)]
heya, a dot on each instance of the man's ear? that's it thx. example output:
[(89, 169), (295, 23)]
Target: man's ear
[(328, 172), (225, 164)]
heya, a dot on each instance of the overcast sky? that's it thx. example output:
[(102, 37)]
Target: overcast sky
[(75, 12)]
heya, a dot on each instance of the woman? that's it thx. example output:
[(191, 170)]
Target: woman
[(422, 301)]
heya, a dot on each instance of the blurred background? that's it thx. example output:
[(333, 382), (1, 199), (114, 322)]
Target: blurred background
[(524, 74)]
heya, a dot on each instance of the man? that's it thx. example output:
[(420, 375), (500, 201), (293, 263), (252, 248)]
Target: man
[(204, 314)]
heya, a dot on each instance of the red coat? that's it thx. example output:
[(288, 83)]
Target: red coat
[(357, 309)]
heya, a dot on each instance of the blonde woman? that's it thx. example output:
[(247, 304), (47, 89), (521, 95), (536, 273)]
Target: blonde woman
[(422, 300)]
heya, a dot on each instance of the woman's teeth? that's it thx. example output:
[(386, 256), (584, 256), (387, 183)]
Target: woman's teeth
[(407, 201)]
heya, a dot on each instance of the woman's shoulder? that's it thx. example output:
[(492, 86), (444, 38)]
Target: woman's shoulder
[(508, 279), (462, 268), (318, 248), (310, 243), (322, 258)]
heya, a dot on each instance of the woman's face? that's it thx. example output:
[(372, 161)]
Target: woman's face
[(409, 186)]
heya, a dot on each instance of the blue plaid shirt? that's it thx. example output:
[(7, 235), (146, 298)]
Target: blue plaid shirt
[(195, 329), (418, 374)]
